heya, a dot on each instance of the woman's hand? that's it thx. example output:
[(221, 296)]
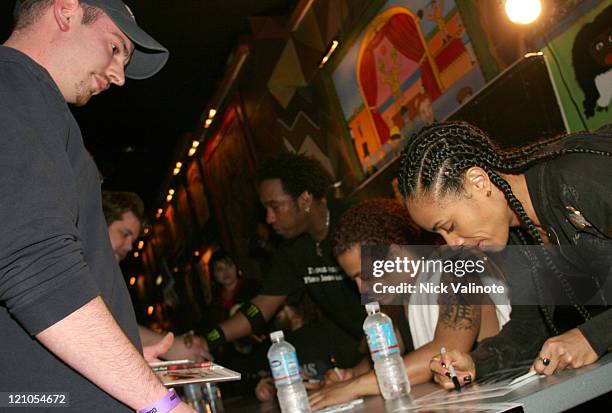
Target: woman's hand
[(463, 364), (338, 375), (333, 393), (568, 350), (265, 389)]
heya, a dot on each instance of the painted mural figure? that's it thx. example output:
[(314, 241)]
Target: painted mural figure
[(592, 61), (423, 105), (391, 77), (402, 73), (437, 16)]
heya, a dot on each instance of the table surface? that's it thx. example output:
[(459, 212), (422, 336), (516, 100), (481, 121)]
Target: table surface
[(548, 394)]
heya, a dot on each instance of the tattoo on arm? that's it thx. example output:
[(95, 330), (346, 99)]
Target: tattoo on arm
[(458, 315)]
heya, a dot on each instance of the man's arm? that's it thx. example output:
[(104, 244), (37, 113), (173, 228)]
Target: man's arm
[(102, 353), (457, 329), (238, 326)]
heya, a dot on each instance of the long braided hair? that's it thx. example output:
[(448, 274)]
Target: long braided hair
[(436, 159)]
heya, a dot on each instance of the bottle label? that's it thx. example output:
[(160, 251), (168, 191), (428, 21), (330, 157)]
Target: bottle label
[(285, 368), (381, 340)]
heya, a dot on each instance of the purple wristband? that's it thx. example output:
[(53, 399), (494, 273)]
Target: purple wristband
[(163, 405)]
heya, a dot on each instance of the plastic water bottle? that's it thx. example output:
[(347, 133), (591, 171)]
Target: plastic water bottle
[(285, 368), (388, 364)]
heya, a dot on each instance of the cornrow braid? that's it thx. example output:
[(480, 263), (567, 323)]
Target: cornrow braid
[(534, 149), (437, 157), (517, 207)]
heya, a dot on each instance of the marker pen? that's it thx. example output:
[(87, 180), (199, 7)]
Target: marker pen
[(453, 373)]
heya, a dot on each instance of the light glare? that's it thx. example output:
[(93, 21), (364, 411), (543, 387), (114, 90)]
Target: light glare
[(523, 11)]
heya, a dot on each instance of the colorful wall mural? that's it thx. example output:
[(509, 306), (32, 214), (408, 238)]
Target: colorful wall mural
[(412, 65), (580, 61)]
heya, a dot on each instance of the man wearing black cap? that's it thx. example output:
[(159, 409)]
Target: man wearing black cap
[(66, 319)]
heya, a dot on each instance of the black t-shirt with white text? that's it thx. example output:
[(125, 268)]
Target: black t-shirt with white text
[(296, 266)]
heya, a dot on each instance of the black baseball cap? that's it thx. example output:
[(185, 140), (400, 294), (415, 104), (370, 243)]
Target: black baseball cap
[(149, 55)]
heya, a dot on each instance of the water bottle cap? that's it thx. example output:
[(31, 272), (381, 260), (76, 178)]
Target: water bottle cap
[(276, 335), (372, 307)]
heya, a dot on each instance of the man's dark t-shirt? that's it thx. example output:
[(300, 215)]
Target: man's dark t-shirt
[(316, 342), (297, 266), (55, 253)]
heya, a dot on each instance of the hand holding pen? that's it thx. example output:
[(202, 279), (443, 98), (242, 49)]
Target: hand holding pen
[(447, 365), (332, 361), (452, 374)]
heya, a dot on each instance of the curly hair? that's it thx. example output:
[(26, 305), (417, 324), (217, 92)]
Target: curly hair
[(117, 203), (378, 221), (438, 156), (297, 173)]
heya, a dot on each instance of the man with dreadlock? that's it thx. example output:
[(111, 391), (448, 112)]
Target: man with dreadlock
[(457, 183)]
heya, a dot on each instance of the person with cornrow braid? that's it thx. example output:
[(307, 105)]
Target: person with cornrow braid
[(455, 181)]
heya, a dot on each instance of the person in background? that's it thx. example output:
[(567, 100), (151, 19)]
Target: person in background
[(454, 323), (124, 212), (455, 181), (229, 287), (293, 190), (66, 317), (230, 290), (316, 340)]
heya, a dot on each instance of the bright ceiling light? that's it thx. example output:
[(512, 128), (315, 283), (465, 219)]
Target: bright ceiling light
[(523, 11)]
